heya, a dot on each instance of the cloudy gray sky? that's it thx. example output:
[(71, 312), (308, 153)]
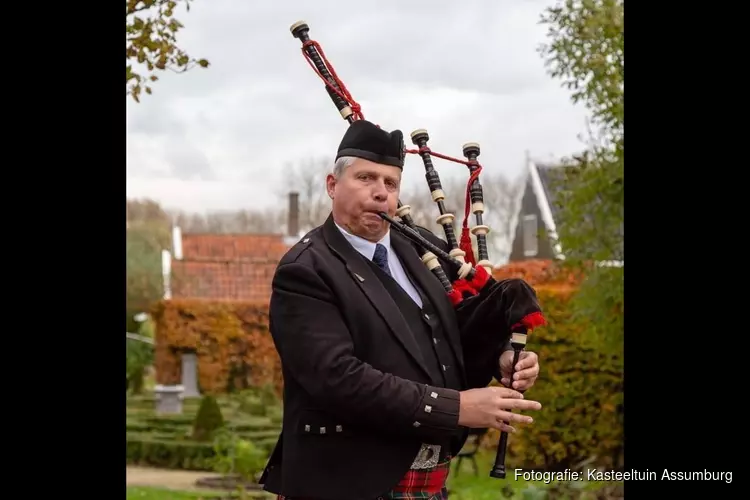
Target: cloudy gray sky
[(468, 71)]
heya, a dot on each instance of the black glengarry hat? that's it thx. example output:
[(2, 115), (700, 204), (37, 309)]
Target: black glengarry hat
[(366, 140)]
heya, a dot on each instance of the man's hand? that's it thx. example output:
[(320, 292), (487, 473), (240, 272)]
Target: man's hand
[(490, 407), (527, 369)]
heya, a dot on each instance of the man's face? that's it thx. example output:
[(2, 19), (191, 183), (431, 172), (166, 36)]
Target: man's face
[(363, 190)]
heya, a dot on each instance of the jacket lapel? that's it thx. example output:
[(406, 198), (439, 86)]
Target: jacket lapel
[(373, 289), (432, 288)]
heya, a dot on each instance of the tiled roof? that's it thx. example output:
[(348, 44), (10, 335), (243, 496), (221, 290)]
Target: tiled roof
[(223, 247), (227, 267)]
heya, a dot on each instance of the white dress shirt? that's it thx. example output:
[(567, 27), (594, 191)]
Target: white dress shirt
[(367, 249)]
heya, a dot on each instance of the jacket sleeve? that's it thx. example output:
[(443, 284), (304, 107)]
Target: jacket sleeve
[(316, 349)]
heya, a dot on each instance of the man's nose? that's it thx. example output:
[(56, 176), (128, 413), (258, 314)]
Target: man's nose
[(379, 192)]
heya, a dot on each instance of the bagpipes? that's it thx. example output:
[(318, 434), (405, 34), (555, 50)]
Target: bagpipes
[(474, 293)]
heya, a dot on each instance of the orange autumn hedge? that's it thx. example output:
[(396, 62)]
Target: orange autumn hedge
[(231, 339), (580, 387), (546, 274)]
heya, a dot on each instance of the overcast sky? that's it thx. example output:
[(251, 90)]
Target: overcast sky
[(468, 71)]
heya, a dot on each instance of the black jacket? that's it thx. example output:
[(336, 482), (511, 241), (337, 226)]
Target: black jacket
[(355, 383)]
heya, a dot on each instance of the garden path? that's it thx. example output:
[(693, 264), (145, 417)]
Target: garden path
[(165, 478)]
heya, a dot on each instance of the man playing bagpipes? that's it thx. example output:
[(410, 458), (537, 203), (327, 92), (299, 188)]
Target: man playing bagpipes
[(384, 373)]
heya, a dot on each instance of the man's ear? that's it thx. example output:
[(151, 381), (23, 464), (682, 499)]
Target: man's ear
[(330, 185)]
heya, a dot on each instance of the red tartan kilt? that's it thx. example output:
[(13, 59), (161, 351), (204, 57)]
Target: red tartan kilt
[(415, 482), (430, 481)]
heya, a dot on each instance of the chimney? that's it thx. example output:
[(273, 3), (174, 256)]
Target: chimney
[(177, 242), (166, 273), (292, 226)]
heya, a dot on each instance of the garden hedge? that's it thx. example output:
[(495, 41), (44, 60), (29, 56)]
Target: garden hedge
[(166, 440), (167, 453)]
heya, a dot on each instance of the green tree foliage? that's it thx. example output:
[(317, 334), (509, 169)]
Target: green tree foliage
[(151, 43), (586, 51), (138, 357), (144, 242), (148, 232)]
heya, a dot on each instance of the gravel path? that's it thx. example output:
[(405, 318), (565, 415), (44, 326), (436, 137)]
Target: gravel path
[(164, 478)]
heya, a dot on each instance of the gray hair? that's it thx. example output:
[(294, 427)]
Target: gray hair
[(342, 164)]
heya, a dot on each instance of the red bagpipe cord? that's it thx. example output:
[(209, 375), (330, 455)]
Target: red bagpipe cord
[(337, 86), (465, 243)]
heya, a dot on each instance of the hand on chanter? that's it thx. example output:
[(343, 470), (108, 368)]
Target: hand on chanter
[(527, 370), (491, 407)]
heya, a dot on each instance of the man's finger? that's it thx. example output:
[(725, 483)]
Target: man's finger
[(526, 374), (528, 359), (505, 392), (506, 416), (507, 428), (521, 385), (519, 404), (501, 426)]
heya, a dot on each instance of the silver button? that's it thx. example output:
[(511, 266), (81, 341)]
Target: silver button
[(445, 367), (427, 317), (322, 430), (307, 428), (305, 240), (427, 408), (339, 428), (434, 341), (416, 424), (433, 395)]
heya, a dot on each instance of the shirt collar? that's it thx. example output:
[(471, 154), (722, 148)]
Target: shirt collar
[(363, 246)]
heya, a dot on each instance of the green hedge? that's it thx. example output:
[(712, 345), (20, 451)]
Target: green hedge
[(161, 452), (249, 431), (241, 423), (165, 441), (580, 387)]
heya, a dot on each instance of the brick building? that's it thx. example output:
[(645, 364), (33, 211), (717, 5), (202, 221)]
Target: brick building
[(227, 266)]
